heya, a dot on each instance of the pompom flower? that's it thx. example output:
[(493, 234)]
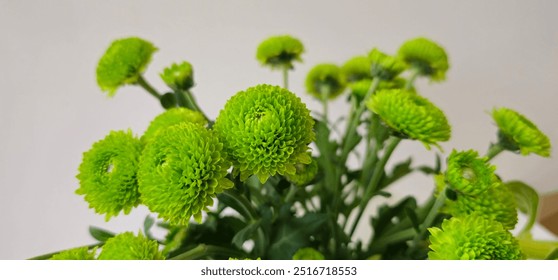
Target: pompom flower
[(357, 68), (411, 115), (385, 67), (325, 79), (107, 174), (280, 51), (182, 169), (308, 253), (472, 238), (172, 117), (304, 174), (520, 134), (265, 130), (179, 76), (127, 246), (81, 253), (469, 174), (427, 57), (123, 63)]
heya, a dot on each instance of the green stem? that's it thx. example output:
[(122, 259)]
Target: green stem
[(429, 220), (203, 250), (324, 99), (494, 150), (192, 101), (399, 236), (286, 77), (414, 74), (49, 255), (145, 85)]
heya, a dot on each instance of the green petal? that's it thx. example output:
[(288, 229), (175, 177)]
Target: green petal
[(127, 246), (82, 253), (172, 117), (469, 174)]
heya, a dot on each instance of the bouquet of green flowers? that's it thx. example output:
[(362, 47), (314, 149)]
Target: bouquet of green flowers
[(268, 179)]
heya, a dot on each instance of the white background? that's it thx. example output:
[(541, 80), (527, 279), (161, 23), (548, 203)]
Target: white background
[(502, 53)]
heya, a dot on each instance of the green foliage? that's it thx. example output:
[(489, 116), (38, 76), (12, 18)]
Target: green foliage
[(280, 51), (527, 201), (127, 246)]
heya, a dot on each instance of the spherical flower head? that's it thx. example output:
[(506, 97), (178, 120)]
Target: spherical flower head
[(308, 253), (266, 130), (469, 174), (182, 169), (357, 68), (127, 246), (304, 174), (172, 117), (280, 51), (425, 56), (411, 115), (325, 80), (81, 253), (520, 134), (107, 174), (179, 76), (472, 238), (385, 67), (123, 63)]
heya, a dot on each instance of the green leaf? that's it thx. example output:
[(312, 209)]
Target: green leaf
[(410, 212), (553, 255), (432, 170), (399, 171), (100, 234), (245, 234), (147, 225), (527, 200), (294, 234)]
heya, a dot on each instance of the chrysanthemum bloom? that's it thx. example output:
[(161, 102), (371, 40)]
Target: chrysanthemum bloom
[(520, 134), (361, 88), (127, 246), (426, 57), (266, 130), (179, 76), (304, 174), (280, 51), (325, 79), (172, 117), (469, 174), (357, 68), (107, 174), (308, 253), (385, 67), (411, 115), (123, 63), (182, 169), (82, 253), (472, 238)]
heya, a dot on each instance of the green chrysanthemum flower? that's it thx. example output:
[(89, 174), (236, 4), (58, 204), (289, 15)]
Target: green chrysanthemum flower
[(426, 57), (82, 253), (411, 115), (469, 174), (520, 134), (280, 51), (182, 169), (361, 88), (357, 68), (325, 79), (172, 117), (304, 174), (123, 63), (266, 130), (385, 67), (107, 174), (179, 76), (127, 246), (472, 238), (308, 253)]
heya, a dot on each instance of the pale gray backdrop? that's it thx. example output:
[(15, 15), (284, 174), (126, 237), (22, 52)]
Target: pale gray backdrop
[(51, 110)]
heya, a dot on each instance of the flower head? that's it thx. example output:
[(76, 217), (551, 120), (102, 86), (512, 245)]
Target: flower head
[(266, 130), (360, 89), (280, 51), (123, 63), (519, 134), (172, 117), (308, 253), (82, 253), (107, 174), (469, 174), (427, 57), (127, 246), (325, 79), (182, 169), (385, 67), (411, 115), (357, 69), (179, 76), (304, 174)]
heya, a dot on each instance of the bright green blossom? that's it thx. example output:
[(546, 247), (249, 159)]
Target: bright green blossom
[(265, 130), (357, 68), (520, 134), (280, 51), (172, 117), (123, 63), (179, 76), (411, 115), (427, 57), (472, 238), (182, 169), (127, 246), (81, 253), (469, 174), (385, 67), (304, 174), (308, 253), (325, 80), (107, 174), (361, 88)]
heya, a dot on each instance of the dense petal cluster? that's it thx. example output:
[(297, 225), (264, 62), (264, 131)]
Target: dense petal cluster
[(266, 130), (308, 253), (384, 66), (280, 51), (182, 169), (427, 57), (411, 115), (123, 63), (325, 80), (520, 133), (127, 246), (304, 174), (172, 117), (469, 174), (357, 68), (107, 174), (472, 238), (179, 76), (81, 253)]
